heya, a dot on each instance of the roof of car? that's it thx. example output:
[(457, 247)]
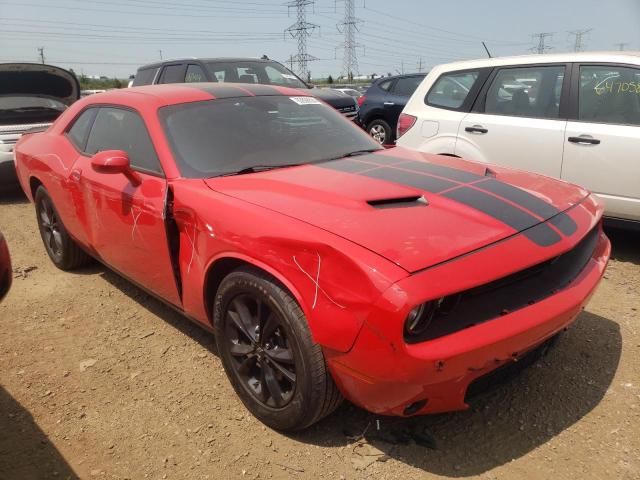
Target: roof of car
[(608, 57), (172, 93), (214, 59)]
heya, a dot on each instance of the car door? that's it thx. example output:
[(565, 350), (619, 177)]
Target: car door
[(602, 138), (518, 120), (398, 96), (126, 223)]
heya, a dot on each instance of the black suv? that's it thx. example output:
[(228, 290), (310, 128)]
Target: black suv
[(381, 106), (238, 70)]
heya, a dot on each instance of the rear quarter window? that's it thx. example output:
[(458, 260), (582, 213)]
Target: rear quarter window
[(145, 77), (452, 89)]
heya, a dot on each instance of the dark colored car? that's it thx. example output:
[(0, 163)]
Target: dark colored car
[(381, 106), (5, 268), (261, 71)]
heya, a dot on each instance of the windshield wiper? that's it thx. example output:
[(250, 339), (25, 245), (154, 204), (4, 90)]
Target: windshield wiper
[(355, 153), (257, 168)]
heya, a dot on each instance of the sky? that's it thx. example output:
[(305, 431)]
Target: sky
[(114, 37)]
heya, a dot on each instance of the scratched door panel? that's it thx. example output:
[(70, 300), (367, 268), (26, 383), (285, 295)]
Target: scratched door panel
[(127, 228)]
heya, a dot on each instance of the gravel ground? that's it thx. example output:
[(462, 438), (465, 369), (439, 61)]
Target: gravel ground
[(98, 380)]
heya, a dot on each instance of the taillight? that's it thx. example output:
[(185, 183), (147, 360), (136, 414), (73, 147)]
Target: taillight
[(361, 100), (405, 122)]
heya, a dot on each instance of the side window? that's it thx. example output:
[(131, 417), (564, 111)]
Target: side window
[(406, 86), (78, 132), (194, 74), (526, 92), (451, 89), (609, 94), (172, 74), (145, 77), (385, 85), (120, 129)]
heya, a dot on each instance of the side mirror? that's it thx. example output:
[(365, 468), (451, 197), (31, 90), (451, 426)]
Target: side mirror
[(112, 162)]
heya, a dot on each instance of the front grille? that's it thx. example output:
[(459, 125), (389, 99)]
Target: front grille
[(506, 295)]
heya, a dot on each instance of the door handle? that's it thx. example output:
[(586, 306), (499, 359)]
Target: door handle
[(476, 129), (584, 140), (390, 104)]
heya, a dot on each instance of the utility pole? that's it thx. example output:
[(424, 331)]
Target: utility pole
[(300, 31), (41, 53), (621, 45), (160, 52), (348, 27), (578, 45), (420, 65), (542, 37)]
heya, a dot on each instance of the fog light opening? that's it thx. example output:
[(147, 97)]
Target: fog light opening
[(415, 407)]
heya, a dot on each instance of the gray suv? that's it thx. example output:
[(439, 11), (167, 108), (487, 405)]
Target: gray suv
[(239, 70)]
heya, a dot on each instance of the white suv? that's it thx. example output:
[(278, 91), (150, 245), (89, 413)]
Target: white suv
[(570, 116)]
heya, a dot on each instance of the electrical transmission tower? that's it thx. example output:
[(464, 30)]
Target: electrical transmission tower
[(621, 45), (348, 27), (301, 30), (41, 54), (578, 45), (542, 37)]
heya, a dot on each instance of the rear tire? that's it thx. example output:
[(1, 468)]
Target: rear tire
[(63, 251), (380, 131), (266, 349)]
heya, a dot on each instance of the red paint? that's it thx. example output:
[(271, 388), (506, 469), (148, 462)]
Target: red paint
[(374, 264)]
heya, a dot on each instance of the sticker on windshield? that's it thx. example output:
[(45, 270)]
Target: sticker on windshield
[(306, 100)]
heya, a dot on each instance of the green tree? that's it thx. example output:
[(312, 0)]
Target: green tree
[(329, 79)]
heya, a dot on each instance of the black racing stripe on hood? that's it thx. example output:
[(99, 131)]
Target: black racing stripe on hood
[(347, 165), (542, 235), (494, 207), (223, 90), (564, 223), (258, 89), (441, 171), (519, 197), (422, 182)]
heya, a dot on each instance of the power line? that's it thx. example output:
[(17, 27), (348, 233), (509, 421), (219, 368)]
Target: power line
[(301, 30), (348, 27), (578, 45), (541, 47)]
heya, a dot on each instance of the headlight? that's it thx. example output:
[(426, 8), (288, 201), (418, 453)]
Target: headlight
[(420, 317)]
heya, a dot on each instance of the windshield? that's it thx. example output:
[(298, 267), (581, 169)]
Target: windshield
[(219, 137), (266, 73)]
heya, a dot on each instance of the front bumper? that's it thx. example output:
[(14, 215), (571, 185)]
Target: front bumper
[(388, 376)]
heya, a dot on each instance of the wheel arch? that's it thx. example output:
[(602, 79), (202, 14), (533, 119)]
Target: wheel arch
[(34, 183), (222, 265)]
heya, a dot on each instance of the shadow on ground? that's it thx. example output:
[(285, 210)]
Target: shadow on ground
[(25, 451), (12, 196), (625, 245)]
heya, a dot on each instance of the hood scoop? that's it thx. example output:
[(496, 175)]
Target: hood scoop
[(399, 202)]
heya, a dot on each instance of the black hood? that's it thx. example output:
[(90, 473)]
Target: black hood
[(39, 80), (333, 98)]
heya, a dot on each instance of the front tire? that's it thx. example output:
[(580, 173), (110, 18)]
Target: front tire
[(380, 131), (266, 349), (61, 248)]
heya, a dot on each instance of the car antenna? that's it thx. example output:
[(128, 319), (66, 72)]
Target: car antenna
[(487, 50)]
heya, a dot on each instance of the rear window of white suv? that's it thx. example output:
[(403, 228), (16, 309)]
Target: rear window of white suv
[(451, 89)]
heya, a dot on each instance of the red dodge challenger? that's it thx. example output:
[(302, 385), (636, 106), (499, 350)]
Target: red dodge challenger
[(327, 267)]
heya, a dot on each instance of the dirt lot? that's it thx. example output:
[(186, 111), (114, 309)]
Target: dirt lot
[(98, 380)]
